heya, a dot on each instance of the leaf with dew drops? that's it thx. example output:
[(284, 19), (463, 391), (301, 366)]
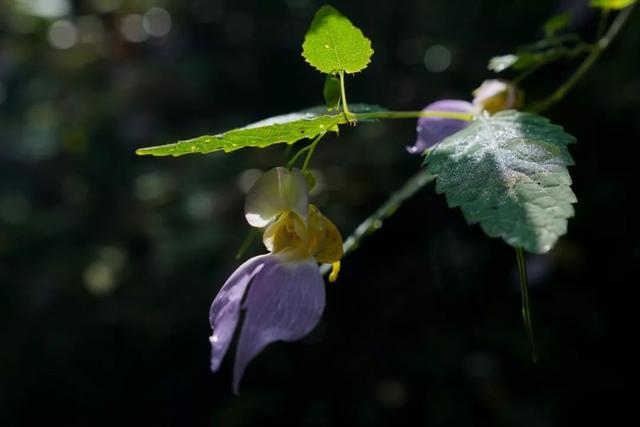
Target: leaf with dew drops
[(508, 173), (286, 128)]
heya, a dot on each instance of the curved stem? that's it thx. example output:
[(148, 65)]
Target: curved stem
[(294, 159), (343, 95), (375, 220), (310, 151), (600, 46)]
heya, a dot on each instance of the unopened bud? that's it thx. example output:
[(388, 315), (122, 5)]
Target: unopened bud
[(497, 95)]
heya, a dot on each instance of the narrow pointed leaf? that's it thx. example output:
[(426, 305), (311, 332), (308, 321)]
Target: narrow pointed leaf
[(286, 128), (508, 173)]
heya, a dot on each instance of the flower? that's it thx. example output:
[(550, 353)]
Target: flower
[(281, 293), (497, 95), (492, 96), (432, 130)]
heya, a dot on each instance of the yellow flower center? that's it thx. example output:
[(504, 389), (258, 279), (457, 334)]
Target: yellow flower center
[(319, 238)]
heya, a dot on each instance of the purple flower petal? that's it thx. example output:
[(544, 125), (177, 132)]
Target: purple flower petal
[(432, 130), (285, 302), (225, 309)]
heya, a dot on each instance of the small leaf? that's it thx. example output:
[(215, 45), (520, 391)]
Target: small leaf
[(557, 22), (611, 4), (334, 45), (287, 128), (508, 172), (331, 92), (520, 61)]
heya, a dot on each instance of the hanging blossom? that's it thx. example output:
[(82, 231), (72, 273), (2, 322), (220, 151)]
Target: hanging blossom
[(492, 96), (281, 293)]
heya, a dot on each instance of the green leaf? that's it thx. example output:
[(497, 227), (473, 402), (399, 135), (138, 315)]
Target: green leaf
[(557, 22), (508, 172), (520, 61), (287, 128), (331, 92), (334, 45), (611, 4)]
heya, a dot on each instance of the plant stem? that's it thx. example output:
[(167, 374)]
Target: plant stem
[(294, 159), (311, 148), (375, 220), (343, 95), (413, 115), (526, 310), (599, 47)]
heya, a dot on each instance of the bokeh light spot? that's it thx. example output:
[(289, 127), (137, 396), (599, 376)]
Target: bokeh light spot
[(44, 8), (156, 22), (437, 58), (63, 34)]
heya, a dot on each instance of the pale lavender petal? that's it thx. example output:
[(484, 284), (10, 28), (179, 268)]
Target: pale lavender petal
[(432, 130), (285, 302), (225, 309)]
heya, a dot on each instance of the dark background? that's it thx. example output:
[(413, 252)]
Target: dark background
[(109, 262)]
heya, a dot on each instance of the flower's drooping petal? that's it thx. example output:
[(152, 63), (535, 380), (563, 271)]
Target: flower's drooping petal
[(497, 95), (325, 241), (276, 191), (225, 309), (432, 130), (285, 302)]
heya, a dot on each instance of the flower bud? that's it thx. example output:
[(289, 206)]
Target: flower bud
[(497, 95)]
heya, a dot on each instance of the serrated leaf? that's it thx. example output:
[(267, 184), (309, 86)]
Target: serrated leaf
[(286, 128), (508, 172), (331, 92), (334, 45), (611, 4)]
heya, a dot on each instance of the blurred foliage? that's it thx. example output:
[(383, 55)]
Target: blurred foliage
[(109, 262)]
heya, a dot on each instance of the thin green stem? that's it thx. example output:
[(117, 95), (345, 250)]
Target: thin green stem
[(294, 159), (526, 309), (312, 148), (413, 115), (308, 149), (343, 96), (375, 220), (600, 46)]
